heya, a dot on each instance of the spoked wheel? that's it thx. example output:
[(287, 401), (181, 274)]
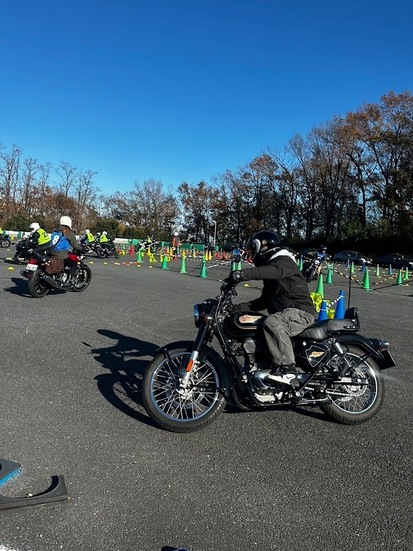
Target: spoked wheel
[(37, 287), (83, 277), (359, 397), (178, 407)]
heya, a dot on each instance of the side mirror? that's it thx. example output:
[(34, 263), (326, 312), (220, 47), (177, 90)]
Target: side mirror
[(236, 255)]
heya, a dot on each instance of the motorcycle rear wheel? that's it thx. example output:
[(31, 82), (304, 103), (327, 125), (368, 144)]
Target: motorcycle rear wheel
[(83, 277), (37, 287), (353, 404), (5, 243), (177, 409)]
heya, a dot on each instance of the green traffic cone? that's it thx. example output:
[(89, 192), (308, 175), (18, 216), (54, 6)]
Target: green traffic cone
[(183, 266), (203, 270), (399, 278), (139, 256), (366, 281), (164, 263), (320, 286), (378, 270), (406, 274), (329, 274), (352, 268)]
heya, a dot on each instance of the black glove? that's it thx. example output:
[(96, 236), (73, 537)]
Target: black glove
[(234, 278)]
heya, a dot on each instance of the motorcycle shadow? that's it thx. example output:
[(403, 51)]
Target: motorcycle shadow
[(20, 288), (126, 361)]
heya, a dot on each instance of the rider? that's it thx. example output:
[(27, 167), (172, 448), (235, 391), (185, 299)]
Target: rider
[(62, 241), (38, 236), (322, 253), (284, 295), (90, 237), (103, 237)]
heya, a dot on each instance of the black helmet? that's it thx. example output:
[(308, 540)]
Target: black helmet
[(262, 245)]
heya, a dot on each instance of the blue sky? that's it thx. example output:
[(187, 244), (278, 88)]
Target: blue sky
[(182, 90)]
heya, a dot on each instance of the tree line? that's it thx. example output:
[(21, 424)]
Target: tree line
[(348, 183)]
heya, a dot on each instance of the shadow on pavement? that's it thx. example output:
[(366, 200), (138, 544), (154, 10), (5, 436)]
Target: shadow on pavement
[(126, 361)]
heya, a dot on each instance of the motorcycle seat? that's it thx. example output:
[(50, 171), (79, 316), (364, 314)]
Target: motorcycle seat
[(320, 330)]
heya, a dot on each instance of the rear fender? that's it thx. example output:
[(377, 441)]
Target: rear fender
[(212, 354), (382, 357)]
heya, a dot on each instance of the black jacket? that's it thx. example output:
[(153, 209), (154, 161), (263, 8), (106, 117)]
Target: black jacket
[(284, 286)]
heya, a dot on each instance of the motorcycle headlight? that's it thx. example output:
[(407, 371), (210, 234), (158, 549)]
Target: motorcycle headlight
[(199, 313)]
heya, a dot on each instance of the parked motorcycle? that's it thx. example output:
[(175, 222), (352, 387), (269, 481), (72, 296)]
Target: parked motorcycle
[(5, 241), (45, 274), (188, 383)]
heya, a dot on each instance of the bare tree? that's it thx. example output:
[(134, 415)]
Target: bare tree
[(9, 178)]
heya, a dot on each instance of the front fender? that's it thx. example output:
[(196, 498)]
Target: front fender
[(176, 344), (212, 354)]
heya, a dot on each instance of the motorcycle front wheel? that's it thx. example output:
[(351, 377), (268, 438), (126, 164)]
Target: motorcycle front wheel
[(180, 408), (357, 401), (83, 277), (37, 287)]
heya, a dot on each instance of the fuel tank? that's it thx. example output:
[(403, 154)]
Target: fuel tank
[(240, 325)]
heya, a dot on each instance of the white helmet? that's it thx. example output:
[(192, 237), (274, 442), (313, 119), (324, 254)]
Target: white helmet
[(34, 226), (87, 231), (66, 221), (104, 233)]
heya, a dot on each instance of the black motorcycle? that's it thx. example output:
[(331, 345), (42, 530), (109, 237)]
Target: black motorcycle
[(150, 246), (94, 247), (188, 383), (312, 267), (24, 251), (108, 248), (45, 274)]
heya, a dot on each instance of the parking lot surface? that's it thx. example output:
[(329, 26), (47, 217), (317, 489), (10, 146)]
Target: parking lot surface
[(70, 403)]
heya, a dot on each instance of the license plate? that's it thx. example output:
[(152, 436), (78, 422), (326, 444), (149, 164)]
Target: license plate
[(31, 267)]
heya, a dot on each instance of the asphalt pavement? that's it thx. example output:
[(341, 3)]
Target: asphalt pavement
[(70, 404)]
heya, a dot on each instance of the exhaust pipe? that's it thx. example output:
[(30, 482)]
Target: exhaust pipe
[(50, 281)]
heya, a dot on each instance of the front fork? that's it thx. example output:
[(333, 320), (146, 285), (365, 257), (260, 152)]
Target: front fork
[(199, 344)]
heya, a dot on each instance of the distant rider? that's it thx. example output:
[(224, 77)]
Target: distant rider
[(38, 236), (89, 237), (103, 237)]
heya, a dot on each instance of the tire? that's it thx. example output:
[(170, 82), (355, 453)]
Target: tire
[(353, 404), (37, 287), (115, 253), (5, 243), (83, 277), (175, 409), (100, 252)]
